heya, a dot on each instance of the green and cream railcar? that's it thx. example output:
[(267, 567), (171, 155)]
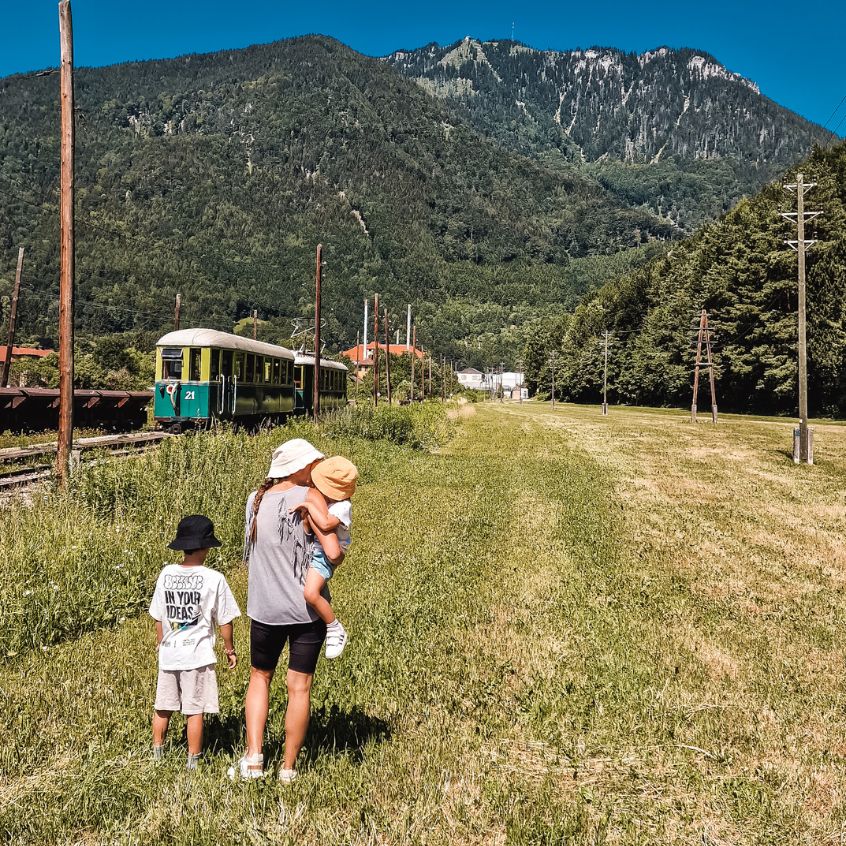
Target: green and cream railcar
[(333, 384), (204, 375)]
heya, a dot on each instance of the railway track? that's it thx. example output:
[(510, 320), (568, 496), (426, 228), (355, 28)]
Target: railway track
[(33, 468)]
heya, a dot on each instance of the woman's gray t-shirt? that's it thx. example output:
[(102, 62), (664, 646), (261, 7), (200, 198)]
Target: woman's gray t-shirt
[(278, 560)]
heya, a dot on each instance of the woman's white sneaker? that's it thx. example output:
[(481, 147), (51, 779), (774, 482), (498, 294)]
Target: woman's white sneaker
[(248, 768), (336, 638), (287, 776)]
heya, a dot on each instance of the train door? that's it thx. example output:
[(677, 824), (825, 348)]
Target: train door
[(228, 385)]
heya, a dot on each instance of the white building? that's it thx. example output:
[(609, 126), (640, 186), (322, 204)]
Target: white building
[(510, 381), (471, 379)]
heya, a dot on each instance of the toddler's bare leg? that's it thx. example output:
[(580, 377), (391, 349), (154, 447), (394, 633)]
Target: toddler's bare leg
[(313, 585)]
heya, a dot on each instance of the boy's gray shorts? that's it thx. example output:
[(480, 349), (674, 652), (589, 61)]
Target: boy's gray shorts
[(189, 691)]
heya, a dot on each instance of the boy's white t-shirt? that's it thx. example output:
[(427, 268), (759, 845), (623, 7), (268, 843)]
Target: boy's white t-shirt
[(189, 602)]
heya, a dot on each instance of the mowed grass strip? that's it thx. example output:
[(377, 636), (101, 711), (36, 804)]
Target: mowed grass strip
[(552, 642)]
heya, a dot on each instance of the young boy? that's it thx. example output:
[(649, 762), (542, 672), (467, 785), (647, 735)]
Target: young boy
[(189, 600), (336, 479)]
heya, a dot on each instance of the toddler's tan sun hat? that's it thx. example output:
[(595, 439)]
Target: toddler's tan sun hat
[(292, 456), (335, 478)]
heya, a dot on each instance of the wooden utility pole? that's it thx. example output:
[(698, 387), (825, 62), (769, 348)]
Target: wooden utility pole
[(13, 321), (430, 375), (704, 337), (376, 349), (423, 376), (711, 376), (443, 378), (805, 452), (318, 283), (66, 249), (553, 361), (413, 357), (255, 325), (387, 358), (605, 378)]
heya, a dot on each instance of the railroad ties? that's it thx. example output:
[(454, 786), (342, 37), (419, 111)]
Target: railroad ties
[(31, 458)]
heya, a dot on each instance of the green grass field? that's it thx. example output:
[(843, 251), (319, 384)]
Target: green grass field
[(565, 629)]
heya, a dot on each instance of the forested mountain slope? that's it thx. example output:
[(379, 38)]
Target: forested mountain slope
[(672, 130), (741, 270), (217, 175)]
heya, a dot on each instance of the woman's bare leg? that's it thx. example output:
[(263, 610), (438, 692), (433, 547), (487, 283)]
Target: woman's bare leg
[(296, 717), (256, 706)]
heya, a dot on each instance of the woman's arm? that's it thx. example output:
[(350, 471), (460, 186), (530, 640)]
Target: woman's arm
[(328, 540)]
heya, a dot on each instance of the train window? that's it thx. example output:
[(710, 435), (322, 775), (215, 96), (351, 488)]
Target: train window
[(277, 371), (226, 362), (259, 369), (171, 363), (298, 377), (268, 370), (239, 367), (214, 364), (194, 365), (251, 368)]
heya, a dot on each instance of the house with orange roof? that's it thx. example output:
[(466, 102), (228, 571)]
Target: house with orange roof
[(363, 358)]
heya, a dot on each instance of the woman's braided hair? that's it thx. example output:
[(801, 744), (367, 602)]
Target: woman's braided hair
[(263, 488)]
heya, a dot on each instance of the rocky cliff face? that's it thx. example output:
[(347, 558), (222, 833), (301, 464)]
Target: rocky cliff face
[(606, 103), (680, 109)]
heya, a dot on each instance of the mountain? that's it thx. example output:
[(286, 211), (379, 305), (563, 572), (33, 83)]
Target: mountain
[(216, 176), (743, 273), (672, 131)]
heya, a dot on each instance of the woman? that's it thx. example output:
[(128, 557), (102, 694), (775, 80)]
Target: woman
[(277, 551)]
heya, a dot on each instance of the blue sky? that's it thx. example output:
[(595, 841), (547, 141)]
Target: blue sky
[(801, 69)]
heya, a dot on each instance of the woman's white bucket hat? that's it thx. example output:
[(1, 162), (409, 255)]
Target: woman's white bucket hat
[(292, 456)]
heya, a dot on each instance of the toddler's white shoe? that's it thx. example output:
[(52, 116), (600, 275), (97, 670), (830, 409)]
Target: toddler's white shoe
[(247, 768), (336, 639), (287, 776)]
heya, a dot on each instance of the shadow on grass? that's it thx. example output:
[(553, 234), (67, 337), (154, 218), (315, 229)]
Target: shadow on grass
[(336, 731), (332, 731), (224, 734)]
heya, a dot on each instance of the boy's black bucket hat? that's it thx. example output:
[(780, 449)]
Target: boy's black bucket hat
[(194, 532)]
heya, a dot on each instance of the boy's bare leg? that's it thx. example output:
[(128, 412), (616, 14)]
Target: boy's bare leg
[(194, 730), (311, 591), (161, 720)]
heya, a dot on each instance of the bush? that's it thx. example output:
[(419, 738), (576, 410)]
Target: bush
[(421, 426)]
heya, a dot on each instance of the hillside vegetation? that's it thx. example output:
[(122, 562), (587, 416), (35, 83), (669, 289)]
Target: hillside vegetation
[(743, 273), (599, 632), (216, 176)]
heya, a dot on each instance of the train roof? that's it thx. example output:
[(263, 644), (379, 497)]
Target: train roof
[(324, 362), (222, 340)]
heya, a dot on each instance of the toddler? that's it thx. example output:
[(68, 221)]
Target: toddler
[(335, 478), (189, 600)]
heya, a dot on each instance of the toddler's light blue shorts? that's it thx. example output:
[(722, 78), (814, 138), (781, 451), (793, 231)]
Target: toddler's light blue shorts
[(322, 566)]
